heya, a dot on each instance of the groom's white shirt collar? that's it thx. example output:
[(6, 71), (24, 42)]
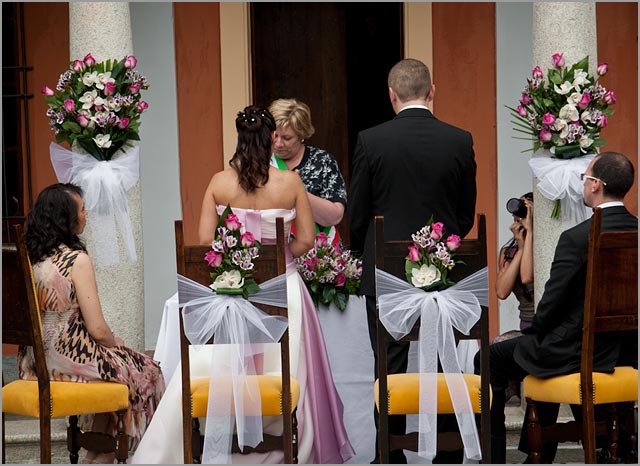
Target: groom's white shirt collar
[(604, 205), (413, 106)]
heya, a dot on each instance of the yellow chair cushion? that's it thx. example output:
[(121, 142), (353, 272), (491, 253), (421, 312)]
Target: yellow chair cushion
[(403, 391), (67, 398), (270, 392), (620, 386)]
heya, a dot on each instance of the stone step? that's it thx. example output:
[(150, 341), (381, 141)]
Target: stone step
[(22, 441)]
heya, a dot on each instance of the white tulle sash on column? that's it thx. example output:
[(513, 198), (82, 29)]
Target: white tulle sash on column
[(244, 329), (559, 179), (105, 184), (400, 305)]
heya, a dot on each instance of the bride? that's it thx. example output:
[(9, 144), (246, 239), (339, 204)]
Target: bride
[(258, 193)]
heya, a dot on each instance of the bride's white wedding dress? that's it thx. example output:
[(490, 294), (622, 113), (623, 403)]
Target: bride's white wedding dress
[(322, 437)]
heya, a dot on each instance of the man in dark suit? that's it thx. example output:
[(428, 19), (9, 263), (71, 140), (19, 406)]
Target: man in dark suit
[(551, 347), (407, 170)]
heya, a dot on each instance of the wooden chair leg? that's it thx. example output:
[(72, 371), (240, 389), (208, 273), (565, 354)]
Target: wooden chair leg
[(534, 430), (45, 439), (73, 441), (294, 435), (614, 433), (196, 441), (630, 429), (122, 440)]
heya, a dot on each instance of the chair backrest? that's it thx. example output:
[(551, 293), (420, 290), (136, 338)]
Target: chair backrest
[(270, 263)]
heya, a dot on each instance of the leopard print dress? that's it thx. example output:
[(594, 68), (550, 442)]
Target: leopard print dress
[(73, 355)]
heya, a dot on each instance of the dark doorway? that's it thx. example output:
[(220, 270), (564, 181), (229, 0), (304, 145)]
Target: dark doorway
[(335, 57)]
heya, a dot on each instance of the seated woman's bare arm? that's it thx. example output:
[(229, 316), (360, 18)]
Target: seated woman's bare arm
[(84, 281), (327, 213), (305, 227), (208, 216)]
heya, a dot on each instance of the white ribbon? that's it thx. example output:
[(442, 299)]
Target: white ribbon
[(560, 179), (105, 184), (244, 329), (400, 305)]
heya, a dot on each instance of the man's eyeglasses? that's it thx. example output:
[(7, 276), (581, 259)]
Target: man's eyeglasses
[(583, 176)]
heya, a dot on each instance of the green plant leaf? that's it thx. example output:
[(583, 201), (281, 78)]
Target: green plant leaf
[(340, 300), (251, 286), (328, 294), (72, 126)]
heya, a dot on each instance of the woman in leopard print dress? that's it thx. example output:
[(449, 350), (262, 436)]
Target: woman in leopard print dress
[(78, 344)]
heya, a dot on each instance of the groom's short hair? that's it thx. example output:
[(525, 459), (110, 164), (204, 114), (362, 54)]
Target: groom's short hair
[(617, 171), (410, 80)]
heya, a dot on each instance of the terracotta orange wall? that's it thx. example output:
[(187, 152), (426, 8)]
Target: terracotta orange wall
[(198, 76), (464, 64), (618, 46), (47, 47)]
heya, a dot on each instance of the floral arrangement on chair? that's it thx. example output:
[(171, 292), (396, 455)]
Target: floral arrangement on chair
[(430, 257), (566, 112), (231, 256), (97, 105), (331, 274)]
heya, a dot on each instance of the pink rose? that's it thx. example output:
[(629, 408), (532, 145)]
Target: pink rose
[(558, 60), (89, 60), (453, 242), (545, 135), (247, 239), (584, 101), (525, 99), (537, 72), (213, 258), (610, 97), (78, 66), (548, 119), (123, 123), (340, 279), (603, 68), (142, 106), (414, 254), (232, 222), (109, 88), (521, 111), (322, 240), (602, 121), (69, 105), (437, 230), (82, 119), (134, 88), (311, 263), (130, 61), (46, 91)]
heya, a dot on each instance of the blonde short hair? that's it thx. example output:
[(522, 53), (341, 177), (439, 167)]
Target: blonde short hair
[(295, 114), (410, 79)]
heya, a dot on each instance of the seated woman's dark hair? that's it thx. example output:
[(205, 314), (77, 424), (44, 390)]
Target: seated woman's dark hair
[(253, 152), (53, 221)]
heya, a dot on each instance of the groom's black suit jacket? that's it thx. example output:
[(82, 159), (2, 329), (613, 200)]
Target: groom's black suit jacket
[(408, 169), (552, 345)]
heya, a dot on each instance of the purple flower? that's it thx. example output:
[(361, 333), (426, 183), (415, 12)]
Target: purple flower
[(558, 60), (525, 99), (414, 254), (130, 61), (537, 72), (232, 222), (545, 135), (603, 68), (78, 66), (602, 121), (89, 60), (134, 88), (610, 97), (548, 119), (247, 240), (82, 119), (109, 88), (142, 106), (69, 105), (213, 259), (46, 91), (437, 230), (322, 240), (453, 242), (584, 101), (123, 123), (521, 110), (340, 279)]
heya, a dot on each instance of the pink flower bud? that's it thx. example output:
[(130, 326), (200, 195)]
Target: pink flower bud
[(537, 72), (453, 242), (311, 263), (603, 69), (322, 240), (142, 106), (545, 135), (232, 222), (82, 119), (78, 66), (247, 239), (437, 230), (213, 258), (46, 91), (548, 119), (89, 60), (123, 123), (130, 61), (610, 97), (69, 105), (521, 111), (584, 101), (525, 99), (134, 88), (109, 88), (558, 60), (340, 279), (414, 254), (602, 121)]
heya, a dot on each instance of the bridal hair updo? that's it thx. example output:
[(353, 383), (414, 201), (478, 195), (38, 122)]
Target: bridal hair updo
[(53, 221), (255, 126)]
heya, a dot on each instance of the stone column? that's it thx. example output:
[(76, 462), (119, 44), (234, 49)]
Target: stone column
[(569, 28), (104, 30)]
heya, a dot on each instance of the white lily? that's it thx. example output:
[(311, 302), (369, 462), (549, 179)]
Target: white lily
[(564, 88), (88, 99), (89, 79), (580, 78), (103, 141), (569, 112), (104, 78)]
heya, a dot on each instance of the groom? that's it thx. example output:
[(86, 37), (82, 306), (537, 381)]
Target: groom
[(407, 170)]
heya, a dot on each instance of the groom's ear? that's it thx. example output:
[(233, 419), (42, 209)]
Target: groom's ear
[(432, 93)]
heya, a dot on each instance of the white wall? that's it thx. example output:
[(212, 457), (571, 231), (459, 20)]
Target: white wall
[(514, 64), (153, 44)]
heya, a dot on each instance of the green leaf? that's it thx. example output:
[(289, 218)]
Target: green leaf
[(313, 286), (582, 64), (118, 68), (328, 294), (133, 135), (52, 100), (60, 137), (408, 267), (251, 286), (554, 76), (340, 300), (599, 142), (72, 126)]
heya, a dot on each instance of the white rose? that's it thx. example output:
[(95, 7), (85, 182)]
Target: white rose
[(564, 88), (103, 140), (569, 112), (228, 279), (425, 276)]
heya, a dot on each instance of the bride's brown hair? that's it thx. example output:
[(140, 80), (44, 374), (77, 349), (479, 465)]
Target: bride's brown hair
[(253, 152)]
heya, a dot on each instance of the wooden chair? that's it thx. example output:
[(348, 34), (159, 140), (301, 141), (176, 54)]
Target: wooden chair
[(611, 305), (279, 394), (390, 257), (41, 398)]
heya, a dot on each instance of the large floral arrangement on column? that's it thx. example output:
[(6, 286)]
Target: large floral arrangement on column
[(97, 105), (565, 112)]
